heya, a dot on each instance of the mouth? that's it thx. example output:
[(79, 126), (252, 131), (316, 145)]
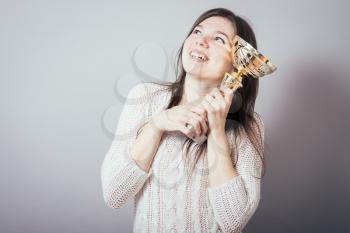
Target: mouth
[(198, 56)]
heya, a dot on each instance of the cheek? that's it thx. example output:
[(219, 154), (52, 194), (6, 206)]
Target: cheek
[(185, 58), (223, 61), (187, 44), (185, 49), (228, 64)]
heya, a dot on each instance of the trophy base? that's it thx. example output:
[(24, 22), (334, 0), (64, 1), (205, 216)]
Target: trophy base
[(232, 81)]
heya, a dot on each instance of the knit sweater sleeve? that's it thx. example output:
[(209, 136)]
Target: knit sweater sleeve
[(121, 177), (235, 201)]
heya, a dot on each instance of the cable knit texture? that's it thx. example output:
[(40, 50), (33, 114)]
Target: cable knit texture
[(167, 199)]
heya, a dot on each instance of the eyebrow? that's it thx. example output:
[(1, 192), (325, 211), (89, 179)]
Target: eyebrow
[(223, 33)]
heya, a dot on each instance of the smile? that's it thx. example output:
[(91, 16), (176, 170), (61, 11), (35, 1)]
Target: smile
[(198, 56)]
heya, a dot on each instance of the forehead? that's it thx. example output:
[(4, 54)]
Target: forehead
[(217, 23)]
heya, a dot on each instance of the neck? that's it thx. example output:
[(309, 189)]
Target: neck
[(196, 89)]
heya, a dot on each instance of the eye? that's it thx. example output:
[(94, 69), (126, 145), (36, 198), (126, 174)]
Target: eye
[(220, 39), (195, 31)]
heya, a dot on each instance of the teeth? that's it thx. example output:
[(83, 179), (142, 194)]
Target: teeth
[(198, 56)]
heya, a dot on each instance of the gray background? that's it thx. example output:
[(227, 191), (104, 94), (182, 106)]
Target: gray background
[(60, 62)]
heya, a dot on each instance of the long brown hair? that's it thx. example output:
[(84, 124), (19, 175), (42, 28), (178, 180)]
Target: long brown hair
[(241, 113)]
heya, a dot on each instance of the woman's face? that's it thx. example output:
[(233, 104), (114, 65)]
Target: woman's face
[(206, 53)]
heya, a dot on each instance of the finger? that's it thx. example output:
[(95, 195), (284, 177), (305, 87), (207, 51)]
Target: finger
[(219, 97), (213, 102), (192, 129), (203, 124), (196, 116), (185, 131), (225, 89), (208, 107), (201, 113), (204, 127), (198, 109), (196, 126), (205, 111), (186, 114), (228, 93)]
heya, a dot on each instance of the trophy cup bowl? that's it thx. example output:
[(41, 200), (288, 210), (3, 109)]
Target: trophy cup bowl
[(246, 60)]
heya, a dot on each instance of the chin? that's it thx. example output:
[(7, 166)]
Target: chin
[(201, 72), (206, 78)]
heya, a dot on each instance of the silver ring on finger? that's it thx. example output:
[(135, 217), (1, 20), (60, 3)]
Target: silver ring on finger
[(188, 125)]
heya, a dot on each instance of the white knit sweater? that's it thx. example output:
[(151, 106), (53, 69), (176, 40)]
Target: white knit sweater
[(166, 199)]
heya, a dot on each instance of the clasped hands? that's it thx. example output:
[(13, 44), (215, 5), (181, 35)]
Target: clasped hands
[(213, 110), (200, 119)]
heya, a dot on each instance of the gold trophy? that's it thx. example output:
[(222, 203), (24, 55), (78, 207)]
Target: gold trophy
[(246, 60)]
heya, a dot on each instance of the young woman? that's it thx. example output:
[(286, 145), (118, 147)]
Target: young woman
[(178, 183)]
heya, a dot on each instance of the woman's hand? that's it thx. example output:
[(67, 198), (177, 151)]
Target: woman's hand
[(176, 119), (217, 104)]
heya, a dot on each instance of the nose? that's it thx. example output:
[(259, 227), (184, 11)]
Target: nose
[(202, 41)]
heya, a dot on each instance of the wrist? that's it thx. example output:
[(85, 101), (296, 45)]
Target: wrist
[(156, 123), (217, 131)]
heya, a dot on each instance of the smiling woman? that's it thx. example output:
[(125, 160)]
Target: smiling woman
[(178, 183), (207, 50)]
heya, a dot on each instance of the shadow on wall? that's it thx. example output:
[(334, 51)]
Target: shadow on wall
[(306, 187)]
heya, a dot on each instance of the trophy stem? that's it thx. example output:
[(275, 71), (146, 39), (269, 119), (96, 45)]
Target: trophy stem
[(233, 80)]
